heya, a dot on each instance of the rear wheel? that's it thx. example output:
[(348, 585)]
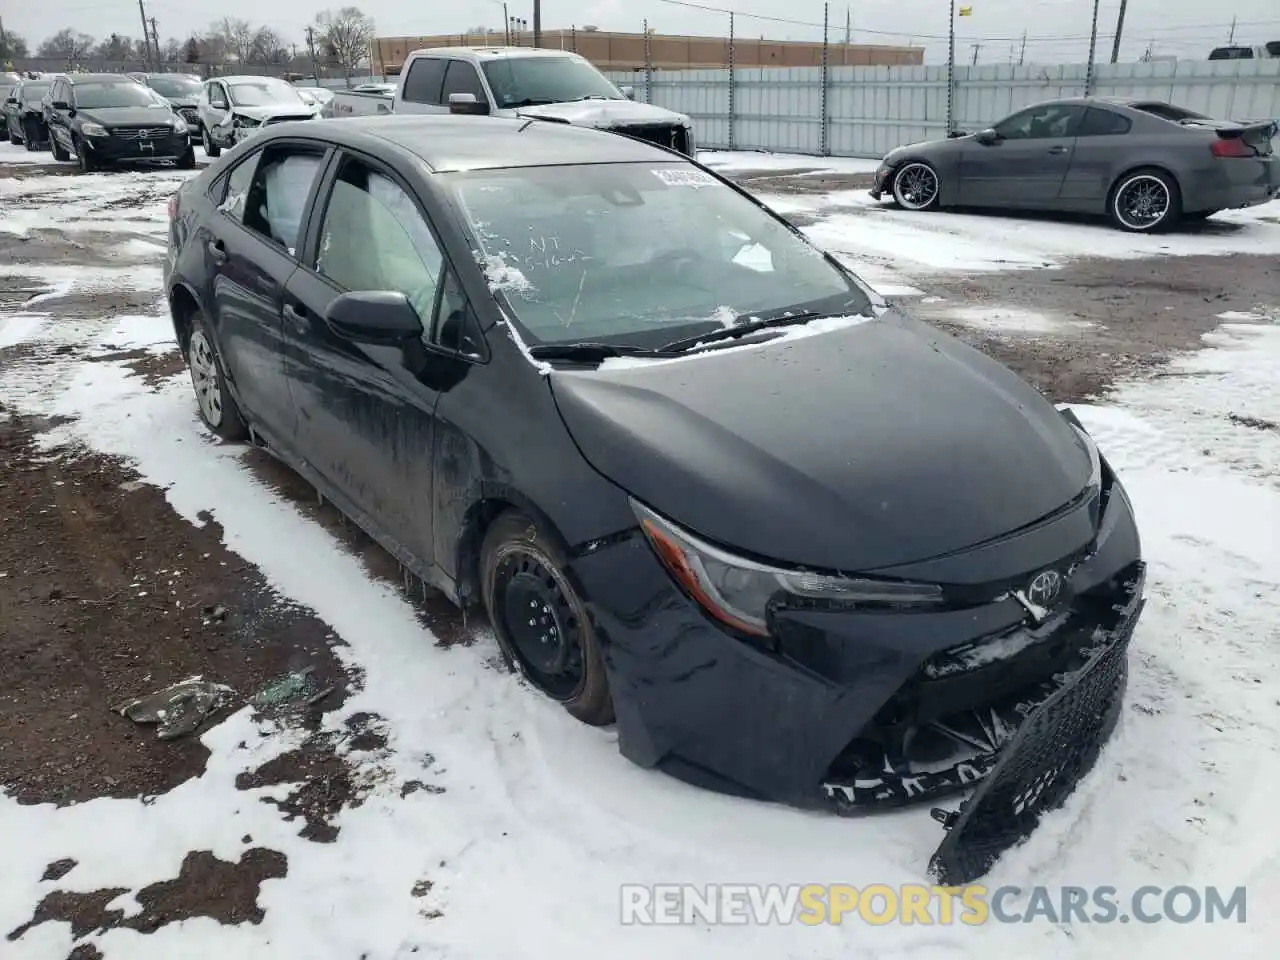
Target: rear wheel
[(211, 149), (540, 621), (1145, 201), (916, 186), (218, 409)]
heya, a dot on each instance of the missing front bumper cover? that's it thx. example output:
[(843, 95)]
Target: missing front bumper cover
[(1021, 753)]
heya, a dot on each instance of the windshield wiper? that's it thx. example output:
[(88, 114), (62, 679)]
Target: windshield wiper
[(590, 352), (528, 102), (740, 330)]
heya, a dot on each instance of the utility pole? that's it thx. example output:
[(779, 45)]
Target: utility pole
[(1022, 54), (311, 53), (951, 70), (976, 48), (506, 25), (4, 40), (1115, 46), (146, 37), (848, 26), (1232, 39), (155, 40), (1093, 49), (537, 23)]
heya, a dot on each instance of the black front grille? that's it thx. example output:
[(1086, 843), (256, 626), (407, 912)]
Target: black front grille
[(1038, 768), (141, 133), (189, 113), (663, 134)]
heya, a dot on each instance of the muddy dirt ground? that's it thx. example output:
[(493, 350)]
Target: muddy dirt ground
[(107, 594)]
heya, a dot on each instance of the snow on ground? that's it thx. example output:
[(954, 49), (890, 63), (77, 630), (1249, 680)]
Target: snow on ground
[(854, 224), (543, 820), (731, 161)]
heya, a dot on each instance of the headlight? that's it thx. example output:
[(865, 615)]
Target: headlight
[(1095, 459), (179, 124), (739, 592), (93, 130), (246, 121)]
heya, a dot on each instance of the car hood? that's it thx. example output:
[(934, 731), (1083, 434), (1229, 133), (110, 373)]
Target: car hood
[(604, 113), (183, 101), (881, 444), (926, 148), (299, 111), (127, 116)]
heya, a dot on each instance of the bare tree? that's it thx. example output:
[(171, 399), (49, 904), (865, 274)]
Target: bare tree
[(116, 47), (347, 33), (12, 47), (173, 50), (237, 38), (268, 47), (191, 53), (66, 44)]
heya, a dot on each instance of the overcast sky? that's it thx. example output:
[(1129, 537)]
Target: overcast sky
[(1057, 30)]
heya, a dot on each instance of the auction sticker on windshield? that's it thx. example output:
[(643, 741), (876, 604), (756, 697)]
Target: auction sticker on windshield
[(676, 177)]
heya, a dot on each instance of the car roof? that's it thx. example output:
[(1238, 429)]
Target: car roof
[(492, 53), (245, 77), (446, 142), (75, 78)]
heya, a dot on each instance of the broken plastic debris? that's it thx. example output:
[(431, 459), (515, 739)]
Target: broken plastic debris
[(180, 709), (292, 686)]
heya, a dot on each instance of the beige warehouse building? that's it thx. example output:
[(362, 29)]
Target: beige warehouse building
[(626, 51)]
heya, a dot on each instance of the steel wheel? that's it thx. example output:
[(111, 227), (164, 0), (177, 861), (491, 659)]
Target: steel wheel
[(916, 186), (1142, 202), (541, 623), (204, 378)]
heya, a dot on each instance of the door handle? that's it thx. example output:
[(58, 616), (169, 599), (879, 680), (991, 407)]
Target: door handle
[(1057, 149), (217, 251)]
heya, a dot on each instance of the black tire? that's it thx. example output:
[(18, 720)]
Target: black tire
[(1145, 201), (59, 153), (188, 160), (916, 186), (84, 158), (211, 149), (218, 409), (14, 139), (31, 136), (557, 651)]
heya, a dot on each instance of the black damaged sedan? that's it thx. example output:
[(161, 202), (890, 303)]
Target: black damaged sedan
[(798, 546)]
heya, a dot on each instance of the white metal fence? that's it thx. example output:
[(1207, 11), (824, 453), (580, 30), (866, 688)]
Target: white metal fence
[(866, 111)]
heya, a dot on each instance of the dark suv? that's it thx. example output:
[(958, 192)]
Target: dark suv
[(182, 90), (107, 118), (23, 120)]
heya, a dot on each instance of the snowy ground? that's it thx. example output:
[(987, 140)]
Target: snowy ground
[(540, 820)]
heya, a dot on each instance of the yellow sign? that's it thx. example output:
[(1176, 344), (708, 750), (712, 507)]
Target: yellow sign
[(966, 11)]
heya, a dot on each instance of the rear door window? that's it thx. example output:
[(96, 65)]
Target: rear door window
[(422, 82), (268, 193)]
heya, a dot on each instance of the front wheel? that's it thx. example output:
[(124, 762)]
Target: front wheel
[(85, 158), (541, 623), (218, 408), (31, 136), (211, 149), (1145, 201), (188, 160), (59, 151), (916, 186)]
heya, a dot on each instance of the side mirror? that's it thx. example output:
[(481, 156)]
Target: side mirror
[(466, 103), (379, 317), (628, 92), (60, 105), (987, 136)]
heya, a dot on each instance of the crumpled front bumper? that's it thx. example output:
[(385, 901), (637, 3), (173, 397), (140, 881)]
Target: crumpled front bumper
[(770, 720), (880, 181)]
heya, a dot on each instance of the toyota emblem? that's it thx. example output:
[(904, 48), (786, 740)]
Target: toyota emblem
[(1044, 588)]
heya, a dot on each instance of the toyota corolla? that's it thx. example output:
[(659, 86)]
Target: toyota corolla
[(797, 545)]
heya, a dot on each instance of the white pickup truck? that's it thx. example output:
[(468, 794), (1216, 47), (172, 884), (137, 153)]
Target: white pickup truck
[(553, 85)]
